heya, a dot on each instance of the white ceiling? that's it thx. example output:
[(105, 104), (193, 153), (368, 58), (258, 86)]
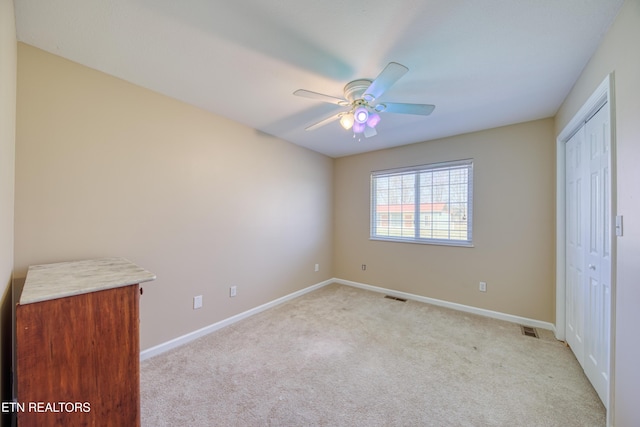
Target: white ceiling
[(483, 63)]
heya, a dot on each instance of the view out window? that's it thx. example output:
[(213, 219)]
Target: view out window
[(423, 204)]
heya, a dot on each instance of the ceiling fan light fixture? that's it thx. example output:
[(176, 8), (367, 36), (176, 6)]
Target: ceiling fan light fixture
[(346, 121), (361, 115), (373, 120), (359, 127)]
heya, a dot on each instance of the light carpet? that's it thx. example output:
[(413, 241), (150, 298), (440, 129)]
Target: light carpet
[(342, 356)]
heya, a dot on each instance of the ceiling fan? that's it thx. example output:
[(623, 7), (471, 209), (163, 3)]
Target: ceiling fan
[(362, 113)]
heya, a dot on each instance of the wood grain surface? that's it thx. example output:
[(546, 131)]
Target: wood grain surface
[(82, 350)]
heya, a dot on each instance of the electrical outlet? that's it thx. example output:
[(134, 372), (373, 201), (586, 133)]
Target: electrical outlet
[(233, 291), (197, 302), (364, 267), (317, 267), (482, 287)]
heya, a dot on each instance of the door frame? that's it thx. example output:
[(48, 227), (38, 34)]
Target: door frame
[(603, 94)]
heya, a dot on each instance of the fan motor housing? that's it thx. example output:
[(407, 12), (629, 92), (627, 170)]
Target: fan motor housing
[(355, 89)]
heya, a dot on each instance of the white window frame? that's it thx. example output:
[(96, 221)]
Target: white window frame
[(416, 171)]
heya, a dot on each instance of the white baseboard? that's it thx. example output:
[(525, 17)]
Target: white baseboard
[(460, 307), (176, 342)]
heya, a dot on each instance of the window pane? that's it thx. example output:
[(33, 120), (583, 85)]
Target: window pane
[(394, 207), (424, 204)]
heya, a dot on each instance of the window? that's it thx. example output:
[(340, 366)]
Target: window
[(423, 204)]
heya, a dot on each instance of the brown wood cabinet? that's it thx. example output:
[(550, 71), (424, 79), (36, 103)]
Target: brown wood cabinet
[(78, 359)]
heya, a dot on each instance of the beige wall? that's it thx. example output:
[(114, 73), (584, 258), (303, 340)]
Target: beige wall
[(106, 168), (8, 61), (513, 223), (618, 53)]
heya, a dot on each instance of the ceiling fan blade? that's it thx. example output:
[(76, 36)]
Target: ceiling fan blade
[(391, 73), (401, 108), (369, 132), (320, 97), (325, 121)]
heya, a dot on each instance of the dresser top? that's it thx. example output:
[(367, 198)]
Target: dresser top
[(51, 281)]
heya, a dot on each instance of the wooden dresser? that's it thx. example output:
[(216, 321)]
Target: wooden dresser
[(77, 344)]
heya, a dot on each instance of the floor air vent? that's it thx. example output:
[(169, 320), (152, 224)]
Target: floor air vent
[(529, 331), (395, 298)]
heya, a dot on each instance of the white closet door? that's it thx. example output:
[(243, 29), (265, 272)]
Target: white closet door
[(576, 206), (588, 249), (598, 272)]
